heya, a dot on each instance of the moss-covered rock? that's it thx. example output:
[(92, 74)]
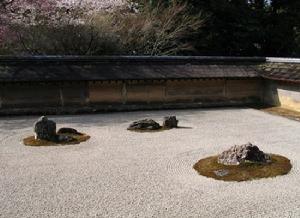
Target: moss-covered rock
[(210, 167)]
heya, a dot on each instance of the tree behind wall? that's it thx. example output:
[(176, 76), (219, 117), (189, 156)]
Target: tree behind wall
[(282, 28), (232, 27), (254, 27)]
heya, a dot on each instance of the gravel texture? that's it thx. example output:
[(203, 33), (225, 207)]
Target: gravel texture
[(119, 173)]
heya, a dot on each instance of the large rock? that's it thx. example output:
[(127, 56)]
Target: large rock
[(45, 129), (146, 124), (239, 154), (170, 122), (66, 130)]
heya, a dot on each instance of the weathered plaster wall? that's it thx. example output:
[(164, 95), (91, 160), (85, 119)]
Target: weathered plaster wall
[(105, 92), (282, 94), (177, 91), (72, 97), (195, 91), (144, 92), (22, 95), (74, 94)]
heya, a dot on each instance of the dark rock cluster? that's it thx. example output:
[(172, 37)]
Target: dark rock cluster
[(149, 124), (45, 129), (240, 154), (170, 122), (146, 124)]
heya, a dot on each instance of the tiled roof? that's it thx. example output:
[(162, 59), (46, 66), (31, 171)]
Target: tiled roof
[(47, 69), (288, 72), (124, 68)]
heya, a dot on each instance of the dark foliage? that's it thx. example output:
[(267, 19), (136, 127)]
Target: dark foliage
[(155, 27), (247, 27)]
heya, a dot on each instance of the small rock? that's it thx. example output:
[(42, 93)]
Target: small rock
[(239, 154), (146, 124), (65, 130), (221, 173), (45, 129), (170, 122)]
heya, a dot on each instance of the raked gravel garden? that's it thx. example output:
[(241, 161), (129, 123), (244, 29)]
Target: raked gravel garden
[(121, 173)]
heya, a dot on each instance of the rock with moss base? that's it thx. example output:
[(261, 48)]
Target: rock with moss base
[(45, 129), (146, 124), (240, 154), (170, 122)]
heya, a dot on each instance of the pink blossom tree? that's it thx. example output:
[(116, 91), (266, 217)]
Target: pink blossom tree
[(19, 17), (25, 12)]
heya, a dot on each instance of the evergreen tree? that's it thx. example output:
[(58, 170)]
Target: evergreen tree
[(282, 28)]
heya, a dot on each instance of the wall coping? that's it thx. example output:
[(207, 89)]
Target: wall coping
[(110, 59), (283, 60), (100, 68), (148, 58)]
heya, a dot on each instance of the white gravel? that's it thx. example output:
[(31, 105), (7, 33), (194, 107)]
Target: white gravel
[(125, 174)]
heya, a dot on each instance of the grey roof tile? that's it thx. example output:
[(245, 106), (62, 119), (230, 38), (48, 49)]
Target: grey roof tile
[(102, 69)]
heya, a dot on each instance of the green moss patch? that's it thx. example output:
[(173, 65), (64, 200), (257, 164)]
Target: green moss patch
[(78, 138), (210, 167)]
